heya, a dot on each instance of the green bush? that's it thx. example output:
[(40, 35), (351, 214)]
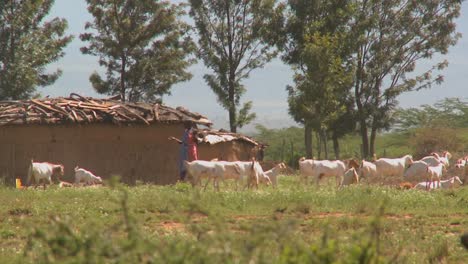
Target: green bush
[(435, 139)]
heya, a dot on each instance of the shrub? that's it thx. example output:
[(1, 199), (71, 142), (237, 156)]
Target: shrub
[(429, 139)]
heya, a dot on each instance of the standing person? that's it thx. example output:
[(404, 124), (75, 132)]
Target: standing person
[(188, 147)]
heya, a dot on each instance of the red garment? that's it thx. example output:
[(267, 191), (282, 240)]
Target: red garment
[(192, 147)]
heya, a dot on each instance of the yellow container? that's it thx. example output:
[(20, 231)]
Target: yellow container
[(18, 183)]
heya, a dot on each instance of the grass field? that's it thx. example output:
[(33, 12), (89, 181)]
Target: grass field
[(178, 224)]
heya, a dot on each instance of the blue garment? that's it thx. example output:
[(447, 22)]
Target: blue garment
[(183, 153)]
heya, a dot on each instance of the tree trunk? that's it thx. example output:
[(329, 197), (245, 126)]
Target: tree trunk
[(336, 146), (122, 78), (372, 141), (319, 145), (358, 89), (365, 139), (232, 106), (283, 146), (232, 71), (291, 158), (374, 122), (232, 103), (325, 143), (308, 141), (232, 119)]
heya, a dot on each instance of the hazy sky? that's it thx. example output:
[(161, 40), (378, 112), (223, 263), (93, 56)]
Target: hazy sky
[(265, 87)]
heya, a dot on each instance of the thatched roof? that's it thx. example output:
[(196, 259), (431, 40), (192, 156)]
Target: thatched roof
[(213, 137), (79, 109)]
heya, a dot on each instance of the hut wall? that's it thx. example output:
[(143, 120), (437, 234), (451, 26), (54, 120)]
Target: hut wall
[(230, 151), (137, 152), (134, 152)]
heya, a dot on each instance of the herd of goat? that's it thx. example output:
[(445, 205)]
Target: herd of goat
[(426, 173)]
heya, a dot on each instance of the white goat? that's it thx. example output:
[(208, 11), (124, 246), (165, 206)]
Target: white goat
[(446, 156), (450, 183), (249, 171), (43, 171), (431, 160), (417, 171), (274, 172), (82, 175), (435, 172), (393, 167), (461, 162), (322, 168), (200, 169), (259, 175), (367, 170), (350, 177)]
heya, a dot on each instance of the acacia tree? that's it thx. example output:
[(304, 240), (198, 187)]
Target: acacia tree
[(391, 37), (321, 92), (143, 45), (314, 44), (27, 45), (232, 42)]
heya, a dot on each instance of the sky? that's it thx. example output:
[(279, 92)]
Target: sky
[(266, 87)]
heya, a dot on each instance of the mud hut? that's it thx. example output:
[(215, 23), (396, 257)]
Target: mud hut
[(106, 136), (225, 145)]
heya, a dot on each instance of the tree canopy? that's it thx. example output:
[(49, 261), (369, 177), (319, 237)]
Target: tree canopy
[(143, 44), (315, 45), (28, 44)]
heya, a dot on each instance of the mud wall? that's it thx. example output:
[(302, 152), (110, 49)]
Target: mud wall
[(135, 153)]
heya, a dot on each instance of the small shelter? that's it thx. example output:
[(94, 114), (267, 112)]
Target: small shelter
[(106, 136), (225, 145)]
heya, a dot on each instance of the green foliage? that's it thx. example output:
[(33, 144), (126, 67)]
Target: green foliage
[(308, 17), (416, 142), (316, 47), (143, 45), (320, 91), (392, 145), (233, 41), (28, 44), (244, 116), (440, 251), (284, 144), (378, 42), (320, 97), (287, 144), (426, 140), (449, 112)]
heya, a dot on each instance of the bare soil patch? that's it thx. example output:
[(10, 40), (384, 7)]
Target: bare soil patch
[(172, 226)]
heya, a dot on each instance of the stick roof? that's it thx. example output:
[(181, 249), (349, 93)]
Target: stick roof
[(79, 109)]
